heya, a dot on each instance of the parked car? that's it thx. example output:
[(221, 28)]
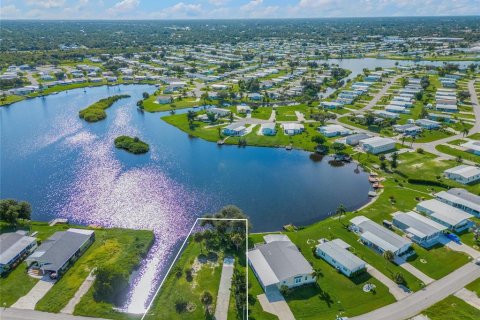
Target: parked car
[(454, 238)]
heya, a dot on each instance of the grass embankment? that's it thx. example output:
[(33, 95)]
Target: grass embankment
[(10, 99), (452, 308), (131, 144), (151, 105), (122, 247), (96, 112), (458, 153)]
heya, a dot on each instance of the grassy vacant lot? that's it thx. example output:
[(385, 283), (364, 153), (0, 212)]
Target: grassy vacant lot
[(175, 289), (452, 308), (123, 247), (151, 105)]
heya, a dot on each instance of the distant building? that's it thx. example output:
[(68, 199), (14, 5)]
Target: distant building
[(164, 99), (268, 129), (472, 146), (332, 130), (292, 128), (234, 129), (354, 139)]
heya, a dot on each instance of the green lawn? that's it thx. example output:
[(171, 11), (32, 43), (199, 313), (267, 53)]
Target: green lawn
[(122, 247), (455, 152), (11, 99), (15, 285), (475, 287), (452, 308), (150, 104), (262, 113)]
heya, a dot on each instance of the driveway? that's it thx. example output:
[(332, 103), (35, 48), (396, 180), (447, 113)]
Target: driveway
[(19, 314), (469, 297), (398, 292), (29, 300), (70, 307), (275, 304), (423, 299), (223, 297), (417, 273), (460, 247)]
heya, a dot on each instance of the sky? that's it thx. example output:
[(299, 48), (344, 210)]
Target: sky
[(230, 9)]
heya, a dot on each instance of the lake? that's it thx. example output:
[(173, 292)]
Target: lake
[(66, 167)]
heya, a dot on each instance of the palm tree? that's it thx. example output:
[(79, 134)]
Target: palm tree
[(316, 274), (340, 211)]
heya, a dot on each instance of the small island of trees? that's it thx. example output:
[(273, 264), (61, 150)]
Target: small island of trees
[(131, 144), (96, 112)]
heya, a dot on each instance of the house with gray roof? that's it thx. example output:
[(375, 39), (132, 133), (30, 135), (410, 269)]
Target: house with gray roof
[(463, 173), (336, 253), (453, 218), (461, 199), (419, 228), (278, 262), (14, 247), (380, 238), (56, 254)]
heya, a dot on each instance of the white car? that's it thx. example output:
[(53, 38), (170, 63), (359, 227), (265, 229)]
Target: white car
[(477, 262)]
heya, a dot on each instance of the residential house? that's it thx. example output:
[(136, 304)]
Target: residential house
[(268, 129), (15, 246), (56, 254), (472, 146), (336, 253), (331, 105), (463, 173), (243, 108), (219, 112), (354, 139), (292, 128), (453, 218), (279, 263), (418, 228), (427, 124), (461, 199), (377, 145), (164, 99), (234, 129), (332, 130), (380, 238)]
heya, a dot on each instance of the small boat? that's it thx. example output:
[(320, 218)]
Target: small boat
[(372, 194), (289, 147), (373, 179), (377, 185), (220, 142)]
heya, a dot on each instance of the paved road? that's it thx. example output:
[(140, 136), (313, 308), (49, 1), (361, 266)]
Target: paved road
[(223, 296), (421, 300), (381, 93), (20, 314)]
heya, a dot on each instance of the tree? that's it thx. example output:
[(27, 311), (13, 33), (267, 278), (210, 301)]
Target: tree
[(145, 95), (11, 210), (318, 139), (463, 95), (237, 240), (394, 161), (399, 278), (110, 283), (338, 147), (388, 255), (198, 238), (207, 298), (340, 211)]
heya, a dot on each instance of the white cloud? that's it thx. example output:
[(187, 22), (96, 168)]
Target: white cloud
[(9, 12), (218, 2), (46, 4), (180, 10), (124, 6), (251, 5)]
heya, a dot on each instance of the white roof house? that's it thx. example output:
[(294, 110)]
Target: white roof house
[(451, 217), (292, 128), (336, 253), (278, 262), (13, 246), (379, 237), (463, 174), (472, 146), (332, 130), (461, 199), (420, 229), (377, 145)]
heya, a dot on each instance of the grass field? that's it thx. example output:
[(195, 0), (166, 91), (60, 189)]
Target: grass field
[(10, 99), (15, 285), (458, 153)]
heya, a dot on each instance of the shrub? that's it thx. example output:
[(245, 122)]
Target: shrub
[(181, 306), (110, 283), (132, 145)]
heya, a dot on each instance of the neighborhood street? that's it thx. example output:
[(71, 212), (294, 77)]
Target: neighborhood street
[(20, 314), (423, 299)]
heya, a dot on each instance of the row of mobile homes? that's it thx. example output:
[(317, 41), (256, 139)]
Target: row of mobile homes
[(15, 246), (419, 228), (472, 146), (234, 129), (333, 130), (464, 174), (292, 128), (454, 219), (461, 199), (380, 238), (376, 145)]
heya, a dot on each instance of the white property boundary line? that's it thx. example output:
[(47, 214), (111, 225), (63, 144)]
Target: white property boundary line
[(181, 249)]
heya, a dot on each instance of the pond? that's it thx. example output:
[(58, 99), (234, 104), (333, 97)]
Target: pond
[(66, 167)]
